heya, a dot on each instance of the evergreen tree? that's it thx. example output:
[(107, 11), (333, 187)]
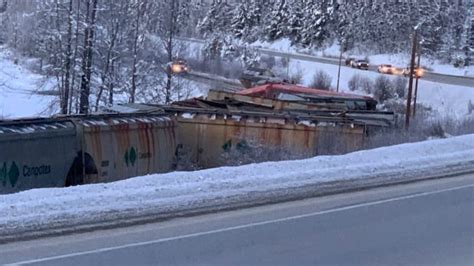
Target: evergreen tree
[(318, 18), (278, 21), (241, 22), (451, 41), (344, 26), (217, 19), (295, 22), (255, 17)]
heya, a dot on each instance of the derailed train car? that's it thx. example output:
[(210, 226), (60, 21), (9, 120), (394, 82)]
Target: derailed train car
[(270, 122), (287, 120), (78, 150), (276, 119), (207, 139), (36, 153)]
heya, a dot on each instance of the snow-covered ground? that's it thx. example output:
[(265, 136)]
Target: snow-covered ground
[(165, 194), (18, 87)]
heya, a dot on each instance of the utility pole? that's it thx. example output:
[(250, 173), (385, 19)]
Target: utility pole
[(343, 48), (339, 71), (288, 59), (417, 79), (410, 83)]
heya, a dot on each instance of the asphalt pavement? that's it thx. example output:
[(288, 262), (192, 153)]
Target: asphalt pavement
[(213, 81), (424, 223)]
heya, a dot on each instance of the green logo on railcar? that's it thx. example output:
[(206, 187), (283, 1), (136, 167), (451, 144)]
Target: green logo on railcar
[(133, 156), (11, 175), (130, 157), (126, 158), (3, 174)]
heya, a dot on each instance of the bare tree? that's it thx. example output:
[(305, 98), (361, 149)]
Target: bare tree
[(321, 80), (91, 12), (111, 40), (99, 50), (3, 24), (68, 61), (171, 21), (140, 7), (383, 89)]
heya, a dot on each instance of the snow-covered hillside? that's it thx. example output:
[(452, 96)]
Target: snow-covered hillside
[(18, 90)]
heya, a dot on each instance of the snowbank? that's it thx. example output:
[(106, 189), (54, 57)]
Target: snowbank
[(165, 195), (18, 87)]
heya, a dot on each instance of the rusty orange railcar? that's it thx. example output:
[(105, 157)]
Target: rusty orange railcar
[(205, 138), (123, 147)]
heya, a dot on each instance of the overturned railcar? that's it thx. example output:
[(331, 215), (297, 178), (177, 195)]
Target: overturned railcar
[(293, 121), (286, 120), (119, 147), (206, 139), (270, 122), (79, 150), (36, 153)]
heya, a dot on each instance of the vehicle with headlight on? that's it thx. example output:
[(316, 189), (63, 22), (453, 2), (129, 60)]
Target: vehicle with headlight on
[(360, 64), (418, 72), (386, 69), (349, 61), (178, 66)]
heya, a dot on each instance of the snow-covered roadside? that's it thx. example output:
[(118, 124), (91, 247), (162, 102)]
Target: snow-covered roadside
[(18, 87), (178, 193)]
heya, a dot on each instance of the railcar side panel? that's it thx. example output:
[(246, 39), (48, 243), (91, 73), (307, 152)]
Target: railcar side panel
[(36, 154), (126, 147), (206, 139)]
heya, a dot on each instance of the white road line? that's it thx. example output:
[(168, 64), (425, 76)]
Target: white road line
[(233, 228)]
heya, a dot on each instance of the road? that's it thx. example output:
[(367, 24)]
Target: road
[(425, 223), (214, 81), (429, 76)]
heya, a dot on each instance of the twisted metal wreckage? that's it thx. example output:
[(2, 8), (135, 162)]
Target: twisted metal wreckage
[(138, 139)]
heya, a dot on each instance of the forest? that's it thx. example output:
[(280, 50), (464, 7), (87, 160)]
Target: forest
[(103, 51)]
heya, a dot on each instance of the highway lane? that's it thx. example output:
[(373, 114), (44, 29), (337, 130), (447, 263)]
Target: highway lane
[(449, 79), (426, 223), (214, 82)]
